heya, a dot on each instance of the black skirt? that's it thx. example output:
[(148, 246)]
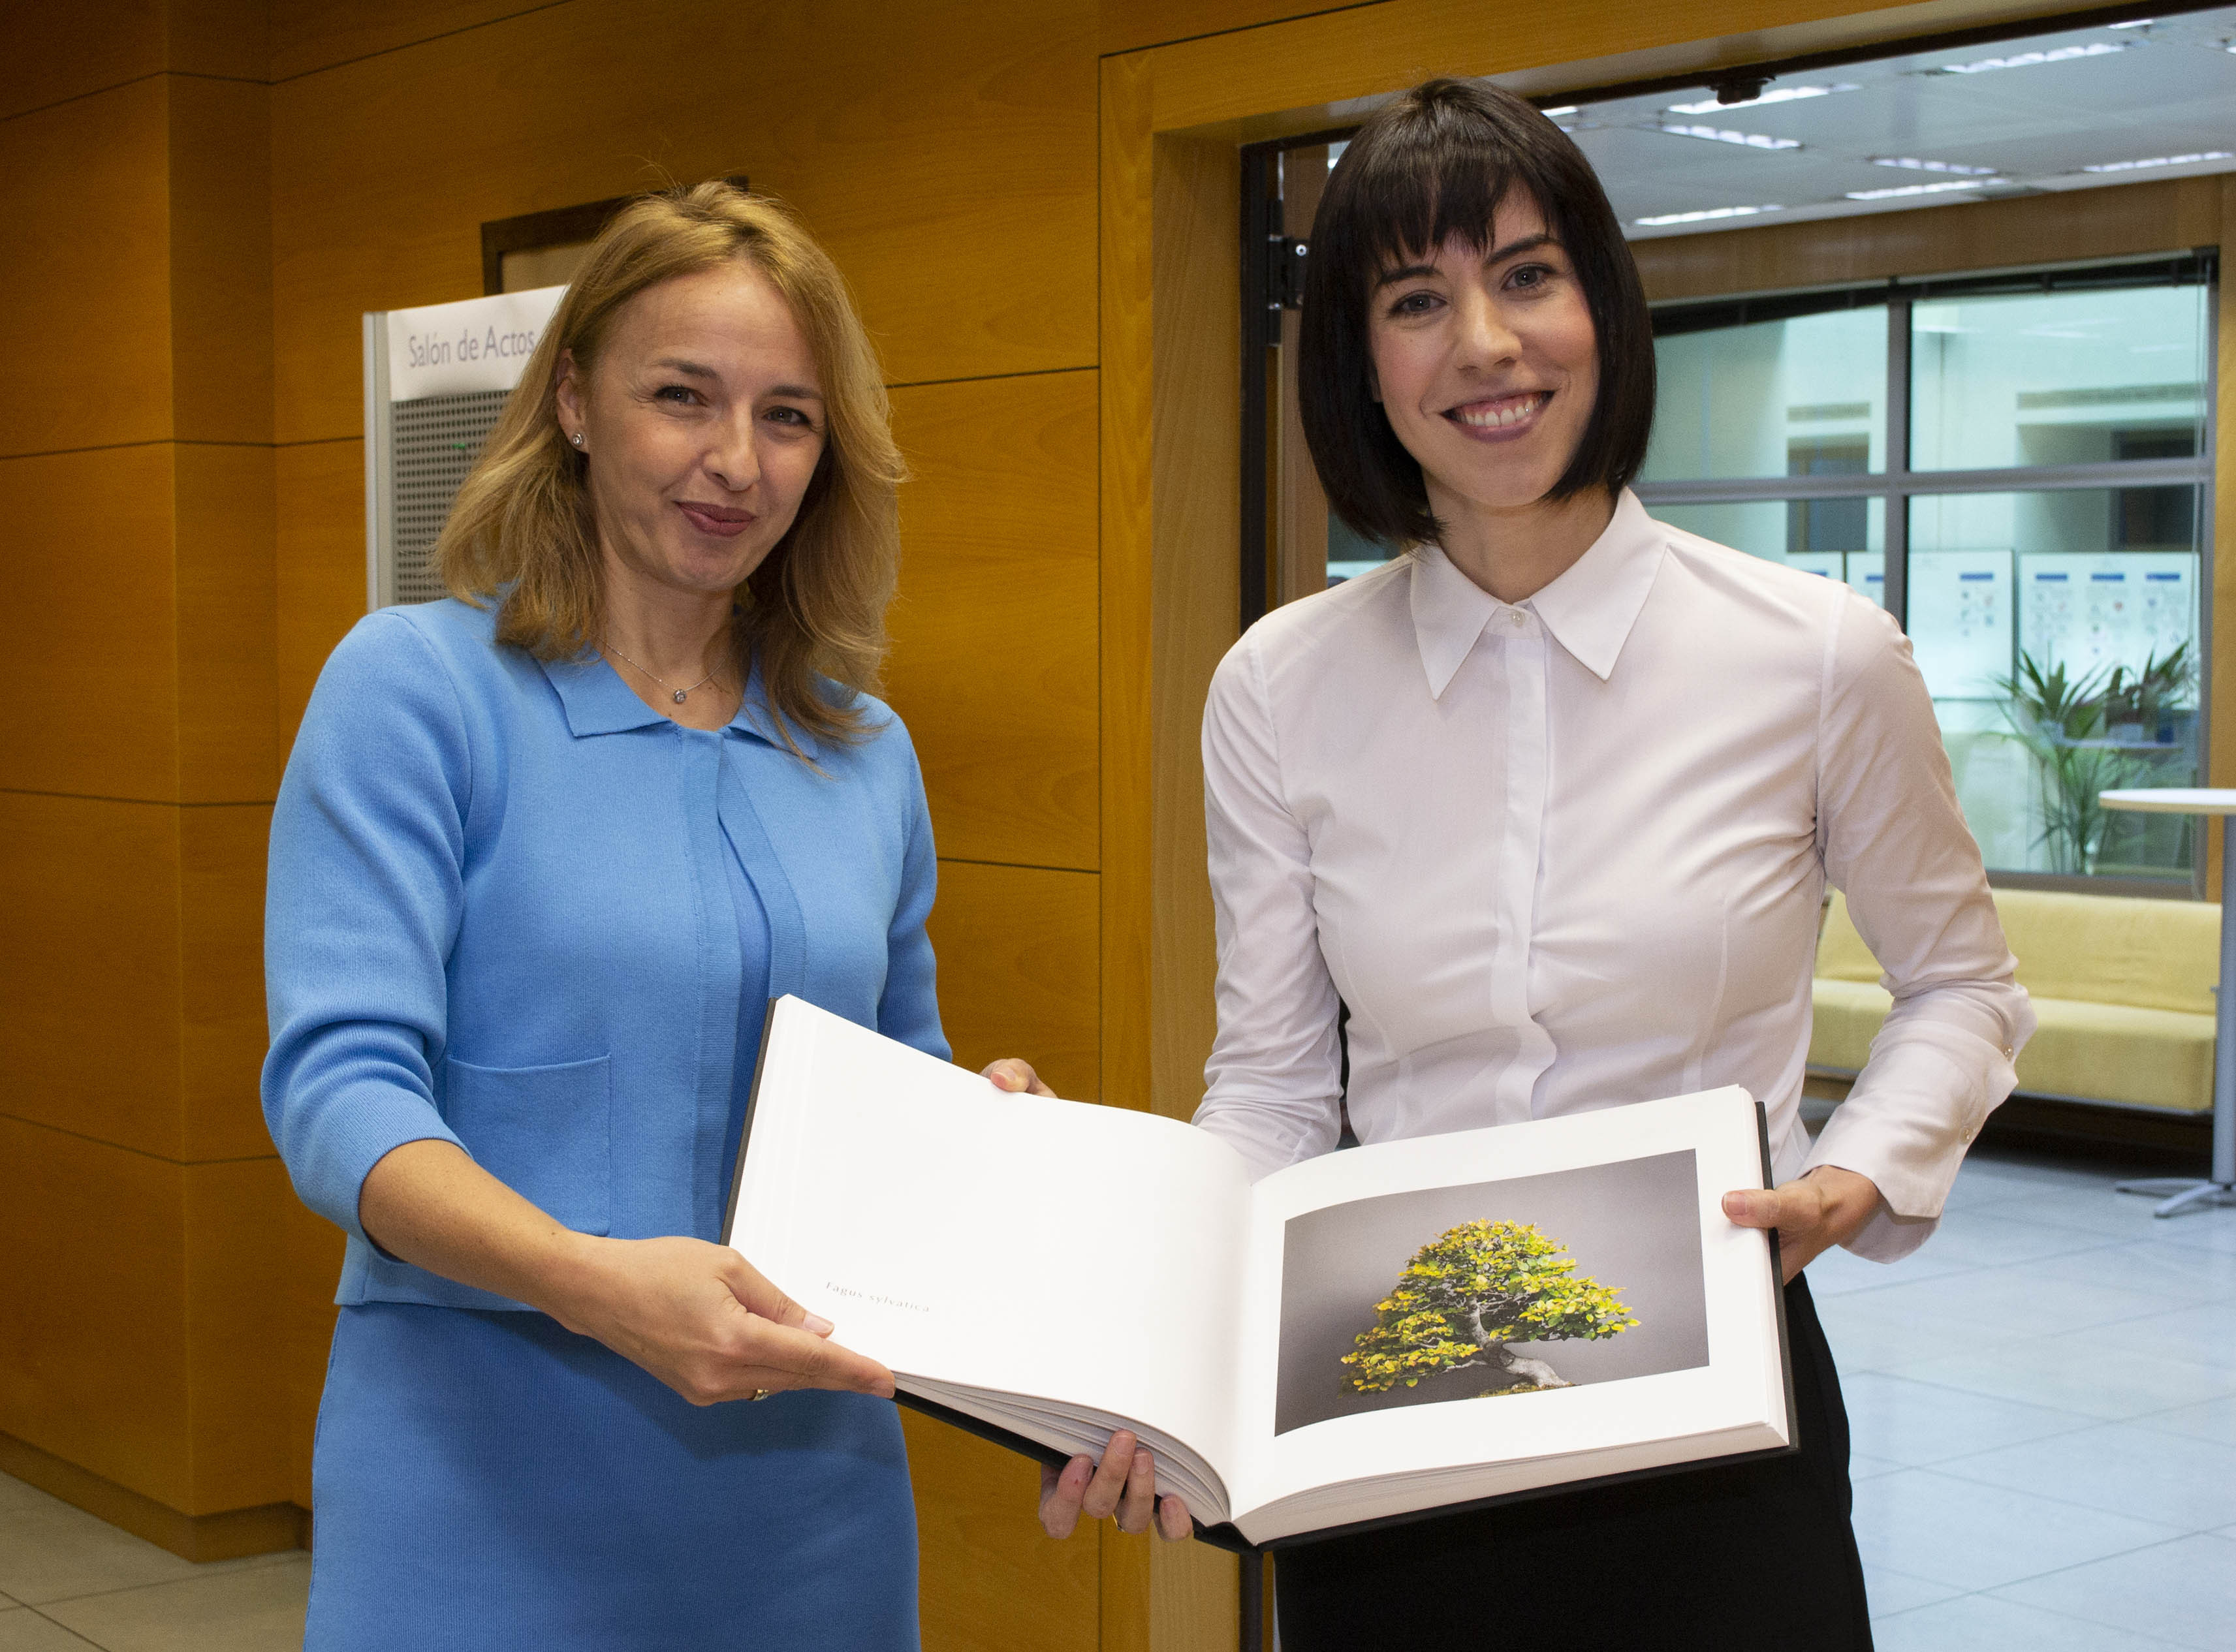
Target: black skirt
[(1749, 1557)]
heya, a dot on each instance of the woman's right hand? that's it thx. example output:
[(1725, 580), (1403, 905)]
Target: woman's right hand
[(705, 1321), (698, 1316)]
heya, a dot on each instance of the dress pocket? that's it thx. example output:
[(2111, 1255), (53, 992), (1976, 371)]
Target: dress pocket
[(545, 1132)]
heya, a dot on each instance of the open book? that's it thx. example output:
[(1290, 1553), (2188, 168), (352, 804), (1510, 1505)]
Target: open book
[(1359, 1338)]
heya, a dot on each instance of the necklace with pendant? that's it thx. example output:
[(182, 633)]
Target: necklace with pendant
[(678, 694)]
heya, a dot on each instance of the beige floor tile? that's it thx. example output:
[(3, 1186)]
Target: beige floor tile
[(258, 1608), (49, 1551), (23, 1630)]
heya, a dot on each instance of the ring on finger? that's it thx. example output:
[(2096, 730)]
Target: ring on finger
[(761, 1393)]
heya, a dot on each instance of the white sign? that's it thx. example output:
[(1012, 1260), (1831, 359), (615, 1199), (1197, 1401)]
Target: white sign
[(475, 345), (2093, 612), (1960, 621)]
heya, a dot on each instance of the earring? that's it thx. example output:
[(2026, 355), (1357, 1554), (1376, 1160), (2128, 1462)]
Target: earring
[(578, 438)]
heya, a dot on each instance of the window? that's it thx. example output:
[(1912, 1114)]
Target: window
[(2015, 468)]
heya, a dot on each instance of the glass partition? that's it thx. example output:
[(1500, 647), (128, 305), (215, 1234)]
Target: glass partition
[(1802, 397), (2031, 506), (1841, 539), (2058, 378), (2064, 659)]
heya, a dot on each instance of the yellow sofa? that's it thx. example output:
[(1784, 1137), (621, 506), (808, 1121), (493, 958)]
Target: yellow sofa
[(2122, 988)]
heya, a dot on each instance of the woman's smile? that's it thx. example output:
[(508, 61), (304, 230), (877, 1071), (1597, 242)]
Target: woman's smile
[(1500, 417)]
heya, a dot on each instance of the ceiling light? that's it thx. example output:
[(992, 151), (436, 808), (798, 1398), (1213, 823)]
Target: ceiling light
[(1704, 215), (1914, 189), (2162, 161), (2134, 23), (2027, 60), (1716, 134), (1566, 109), (1910, 163), (1776, 95)]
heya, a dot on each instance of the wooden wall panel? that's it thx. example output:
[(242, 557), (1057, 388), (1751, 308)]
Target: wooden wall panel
[(89, 1042), (312, 34), (89, 674), (236, 1223), (220, 146), (2113, 222), (1129, 25), (990, 1579), (319, 543), (1133, 766), (1193, 1604), (1018, 976), (994, 655), (231, 38), (946, 155), (84, 236), (64, 51), (93, 1361), (222, 1031), (226, 629)]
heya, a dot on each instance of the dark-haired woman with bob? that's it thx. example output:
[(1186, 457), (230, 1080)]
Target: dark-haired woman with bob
[(1550, 802)]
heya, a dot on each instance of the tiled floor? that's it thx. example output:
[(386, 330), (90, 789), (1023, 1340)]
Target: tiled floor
[(2044, 1407), (69, 1582), (2043, 1401)]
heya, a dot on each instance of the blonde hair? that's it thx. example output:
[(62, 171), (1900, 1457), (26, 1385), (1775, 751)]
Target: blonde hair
[(520, 533)]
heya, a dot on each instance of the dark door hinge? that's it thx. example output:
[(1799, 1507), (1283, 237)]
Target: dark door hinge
[(1284, 271)]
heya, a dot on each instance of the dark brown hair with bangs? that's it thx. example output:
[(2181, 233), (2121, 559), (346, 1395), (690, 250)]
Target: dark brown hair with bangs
[(1432, 164)]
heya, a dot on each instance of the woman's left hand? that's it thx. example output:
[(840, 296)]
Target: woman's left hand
[(1017, 1076), (1827, 1207)]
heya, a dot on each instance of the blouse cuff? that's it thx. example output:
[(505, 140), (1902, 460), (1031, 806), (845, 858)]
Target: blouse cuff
[(1906, 1125), (1269, 1137)]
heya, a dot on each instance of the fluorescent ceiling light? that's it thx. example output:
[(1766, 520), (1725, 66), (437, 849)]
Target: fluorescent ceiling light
[(1703, 216), (2027, 60), (1716, 134), (2162, 161), (1566, 109), (1916, 189), (1909, 163), (2134, 23), (1776, 95)]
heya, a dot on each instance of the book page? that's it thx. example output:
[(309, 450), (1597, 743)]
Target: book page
[(1087, 1255), (1591, 1293)]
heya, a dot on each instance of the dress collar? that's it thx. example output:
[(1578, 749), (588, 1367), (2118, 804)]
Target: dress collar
[(1589, 609), (597, 701)]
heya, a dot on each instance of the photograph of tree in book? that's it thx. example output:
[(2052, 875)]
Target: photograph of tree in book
[(1471, 1293), (1447, 1294)]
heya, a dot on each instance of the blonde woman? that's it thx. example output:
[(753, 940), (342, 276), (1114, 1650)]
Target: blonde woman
[(543, 852)]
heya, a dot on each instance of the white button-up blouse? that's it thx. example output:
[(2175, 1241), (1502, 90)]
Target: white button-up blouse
[(1571, 853)]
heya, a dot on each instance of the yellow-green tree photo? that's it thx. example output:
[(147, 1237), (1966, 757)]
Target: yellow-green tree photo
[(1469, 1293)]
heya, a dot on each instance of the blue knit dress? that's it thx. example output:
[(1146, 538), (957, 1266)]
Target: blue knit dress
[(512, 907)]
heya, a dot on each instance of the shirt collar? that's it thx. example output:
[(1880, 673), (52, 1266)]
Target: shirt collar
[(597, 701), (1589, 609)]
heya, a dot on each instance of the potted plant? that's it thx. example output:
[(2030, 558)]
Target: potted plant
[(2065, 722)]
